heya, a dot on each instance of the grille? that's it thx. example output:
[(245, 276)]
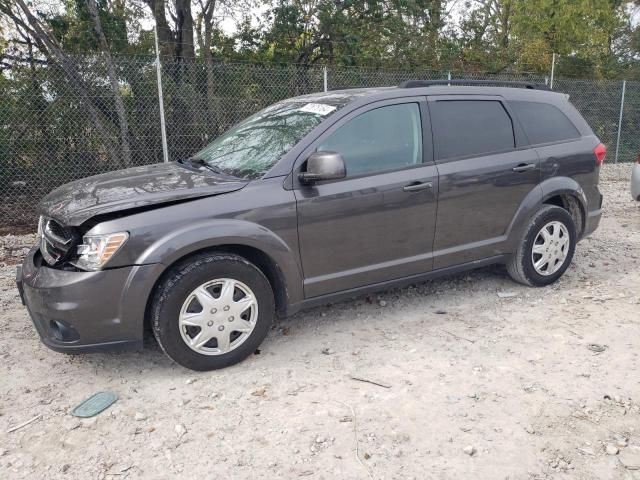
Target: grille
[(56, 229), (58, 241)]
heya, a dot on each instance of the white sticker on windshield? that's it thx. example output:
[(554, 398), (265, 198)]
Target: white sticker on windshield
[(317, 108)]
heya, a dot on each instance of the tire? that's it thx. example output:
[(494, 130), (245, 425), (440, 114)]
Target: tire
[(185, 309), (521, 266)]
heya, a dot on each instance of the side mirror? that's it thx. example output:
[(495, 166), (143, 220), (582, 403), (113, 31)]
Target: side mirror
[(323, 166)]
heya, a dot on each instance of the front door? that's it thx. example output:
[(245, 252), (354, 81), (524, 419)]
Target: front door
[(484, 176), (376, 224)]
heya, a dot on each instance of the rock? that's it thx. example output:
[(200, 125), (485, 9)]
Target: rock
[(630, 459), (587, 451), (440, 312), (119, 468), (507, 294), (89, 422), (180, 429), (621, 442), (611, 449), (327, 351), (139, 416), (469, 450), (320, 439), (382, 303), (260, 392), (529, 429), (596, 347), (189, 381), (72, 424)]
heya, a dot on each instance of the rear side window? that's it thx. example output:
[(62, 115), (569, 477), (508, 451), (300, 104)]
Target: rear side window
[(544, 123), (470, 127)]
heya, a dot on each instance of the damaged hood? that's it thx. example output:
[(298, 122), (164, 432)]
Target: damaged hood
[(76, 202)]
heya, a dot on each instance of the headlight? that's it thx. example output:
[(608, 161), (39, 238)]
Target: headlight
[(97, 250)]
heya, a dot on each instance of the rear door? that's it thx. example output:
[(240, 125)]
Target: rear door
[(376, 224), (485, 172)]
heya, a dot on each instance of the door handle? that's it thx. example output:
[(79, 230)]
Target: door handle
[(524, 167), (415, 187)]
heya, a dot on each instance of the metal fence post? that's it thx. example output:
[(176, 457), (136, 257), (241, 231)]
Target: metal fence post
[(449, 77), (624, 88), (553, 70), (324, 74), (163, 130)]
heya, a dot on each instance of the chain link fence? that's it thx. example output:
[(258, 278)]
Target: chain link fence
[(59, 123)]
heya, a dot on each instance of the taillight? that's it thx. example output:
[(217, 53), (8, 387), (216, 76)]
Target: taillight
[(600, 152)]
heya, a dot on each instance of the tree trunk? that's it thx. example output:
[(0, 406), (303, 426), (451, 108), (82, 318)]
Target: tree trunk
[(48, 45), (213, 103), (166, 40), (113, 80), (184, 31)]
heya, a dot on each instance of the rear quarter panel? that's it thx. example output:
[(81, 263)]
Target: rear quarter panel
[(575, 161)]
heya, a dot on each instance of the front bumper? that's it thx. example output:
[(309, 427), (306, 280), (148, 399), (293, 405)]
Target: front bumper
[(76, 311)]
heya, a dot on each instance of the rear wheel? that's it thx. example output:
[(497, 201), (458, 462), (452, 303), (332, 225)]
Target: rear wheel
[(546, 249), (212, 311)]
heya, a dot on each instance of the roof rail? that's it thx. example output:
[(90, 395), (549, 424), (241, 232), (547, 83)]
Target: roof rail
[(486, 83)]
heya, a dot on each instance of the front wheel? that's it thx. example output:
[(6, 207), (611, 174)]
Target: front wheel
[(212, 311), (546, 249)]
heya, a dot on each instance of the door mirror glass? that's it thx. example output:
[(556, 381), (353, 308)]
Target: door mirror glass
[(323, 166)]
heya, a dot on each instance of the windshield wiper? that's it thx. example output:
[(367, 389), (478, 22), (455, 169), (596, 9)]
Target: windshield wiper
[(199, 162)]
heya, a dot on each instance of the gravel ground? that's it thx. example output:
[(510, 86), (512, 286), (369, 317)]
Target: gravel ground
[(481, 378)]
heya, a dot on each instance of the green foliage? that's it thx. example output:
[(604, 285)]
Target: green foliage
[(579, 30)]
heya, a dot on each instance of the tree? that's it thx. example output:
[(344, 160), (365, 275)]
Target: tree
[(49, 46), (113, 80), (582, 31)]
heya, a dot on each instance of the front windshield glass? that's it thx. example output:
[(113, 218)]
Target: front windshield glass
[(253, 146)]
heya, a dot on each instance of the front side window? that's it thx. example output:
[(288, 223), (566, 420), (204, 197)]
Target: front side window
[(470, 127), (386, 138), (252, 147)]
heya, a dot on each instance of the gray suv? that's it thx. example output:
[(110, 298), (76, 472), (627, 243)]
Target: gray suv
[(313, 199)]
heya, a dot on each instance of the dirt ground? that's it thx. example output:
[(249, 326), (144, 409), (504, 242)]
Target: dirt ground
[(481, 378)]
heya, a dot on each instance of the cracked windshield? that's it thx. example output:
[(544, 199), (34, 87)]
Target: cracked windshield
[(253, 146)]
